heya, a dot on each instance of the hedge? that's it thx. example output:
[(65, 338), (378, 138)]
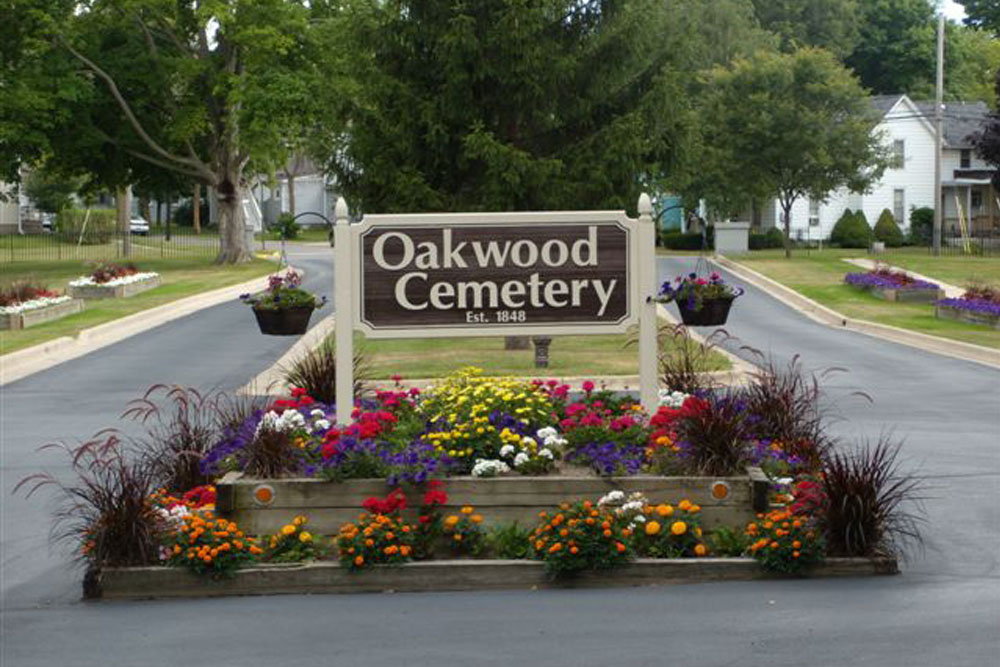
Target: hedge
[(99, 229)]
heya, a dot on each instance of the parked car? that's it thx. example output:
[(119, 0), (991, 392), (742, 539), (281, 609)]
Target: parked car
[(48, 221), (139, 225)]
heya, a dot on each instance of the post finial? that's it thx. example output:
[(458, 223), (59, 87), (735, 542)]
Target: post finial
[(645, 205), (340, 211)]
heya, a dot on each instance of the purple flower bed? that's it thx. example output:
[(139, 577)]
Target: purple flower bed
[(610, 458), (886, 280), (972, 305)]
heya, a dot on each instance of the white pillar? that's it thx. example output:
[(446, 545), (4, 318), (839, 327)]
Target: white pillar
[(648, 358), (342, 276)]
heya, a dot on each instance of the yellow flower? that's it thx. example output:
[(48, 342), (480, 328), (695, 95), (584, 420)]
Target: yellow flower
[(468, 509), (299, 520), (664, 510), (305, 537), (684, 504), (678, 528), (700, 550), (477, 518), (652, 528), (288, 530)]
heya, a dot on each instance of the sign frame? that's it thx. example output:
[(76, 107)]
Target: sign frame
[(642, 286), (472, 220)]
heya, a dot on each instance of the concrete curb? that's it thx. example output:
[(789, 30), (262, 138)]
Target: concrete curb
[(820, 313), (22, 363), (455, 575)]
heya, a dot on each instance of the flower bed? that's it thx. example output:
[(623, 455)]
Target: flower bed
[(113, 281), (894, 286), (37, 310), (522, 480), (979, 305)]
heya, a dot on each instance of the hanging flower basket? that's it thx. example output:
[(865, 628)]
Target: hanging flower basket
[(713, 312), (702, 302), (284, 308), (283, 322)]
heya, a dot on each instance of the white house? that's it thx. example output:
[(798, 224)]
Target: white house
[(908, 131)]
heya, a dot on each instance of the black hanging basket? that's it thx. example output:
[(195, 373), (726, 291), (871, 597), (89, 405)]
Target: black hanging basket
[(713, 312), (283, 321)]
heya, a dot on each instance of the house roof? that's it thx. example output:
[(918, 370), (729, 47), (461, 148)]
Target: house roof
[(961, 120), (885, 103)]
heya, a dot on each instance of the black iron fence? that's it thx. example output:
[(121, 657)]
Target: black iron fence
[(982, 244), (158, 243)]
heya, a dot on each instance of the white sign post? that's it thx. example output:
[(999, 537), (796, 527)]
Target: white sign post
[(495, 274)]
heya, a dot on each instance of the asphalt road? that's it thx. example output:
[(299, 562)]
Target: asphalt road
[(944, 610)]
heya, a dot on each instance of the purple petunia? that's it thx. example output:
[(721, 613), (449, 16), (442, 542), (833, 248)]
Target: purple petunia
[(972, 305), (887, 281), (610, 458)]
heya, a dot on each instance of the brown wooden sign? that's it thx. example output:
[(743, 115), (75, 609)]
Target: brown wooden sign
[(478, 277)]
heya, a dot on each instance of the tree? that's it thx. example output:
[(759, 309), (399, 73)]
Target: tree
[(983, 14), (895, 52), (788, 126), (973, 56), (499, 105), (50, 191), (988, 140), (829, 24), (237, 76)]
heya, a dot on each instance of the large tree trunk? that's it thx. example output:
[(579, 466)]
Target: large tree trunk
[(788, 230), (196, 209), (123, 204), (232, 232), (144, 207)]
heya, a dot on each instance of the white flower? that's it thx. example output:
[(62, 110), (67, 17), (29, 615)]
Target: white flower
[(554, 441), (672, 399), (507, 450), (87, 281), (547, 432), (489, 468), (34, 304), (317, 413), (528, 442), (546, 454), (612, 498), (322, 423), (632, 506), (521, 459)]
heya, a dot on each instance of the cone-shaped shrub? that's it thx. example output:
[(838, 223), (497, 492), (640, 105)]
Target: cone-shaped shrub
[(887, 231)]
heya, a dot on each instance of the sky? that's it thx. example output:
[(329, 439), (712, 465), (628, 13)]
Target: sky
[(953, 10)]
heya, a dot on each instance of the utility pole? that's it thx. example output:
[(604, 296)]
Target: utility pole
[(938, 137)]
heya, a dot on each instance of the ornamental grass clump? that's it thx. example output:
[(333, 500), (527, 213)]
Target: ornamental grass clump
[(682, 361), (104, 511), (580, 536), (713, 440), (181, 425), (785, 542), (782, 405), (870, 507), (316, 372)]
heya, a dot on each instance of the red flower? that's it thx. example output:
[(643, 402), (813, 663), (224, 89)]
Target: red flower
[(588, 386)]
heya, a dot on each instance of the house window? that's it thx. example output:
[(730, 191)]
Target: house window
[(814, 212), (976, 200), (899, 206), (965, 158), (898, 153)]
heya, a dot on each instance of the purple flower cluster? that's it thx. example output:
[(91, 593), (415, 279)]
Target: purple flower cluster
[(610, 458), (886, 280), (972, 305), (232, 443), (774, 459), (368, 458)]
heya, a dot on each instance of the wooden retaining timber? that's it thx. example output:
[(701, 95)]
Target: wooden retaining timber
[(113, 292), (905, 295), (943, 312), (457, 575), (328, 505), (30, 318)]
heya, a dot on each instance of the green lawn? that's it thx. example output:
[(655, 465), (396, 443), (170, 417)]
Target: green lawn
[(569, 356), (819, 275), (181, 278), (307, 235), (954, 269)]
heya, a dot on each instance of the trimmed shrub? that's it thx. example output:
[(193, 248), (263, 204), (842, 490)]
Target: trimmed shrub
[(852, 231), (887, 231), (285, 226), (922, 226), (184, 214), (99, 228), (772, 238), (687, 241)]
